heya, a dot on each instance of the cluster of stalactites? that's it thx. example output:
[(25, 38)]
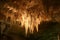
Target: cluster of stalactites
[(30, 20)]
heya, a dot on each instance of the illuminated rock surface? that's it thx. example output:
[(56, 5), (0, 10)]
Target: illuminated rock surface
[(11, 12)]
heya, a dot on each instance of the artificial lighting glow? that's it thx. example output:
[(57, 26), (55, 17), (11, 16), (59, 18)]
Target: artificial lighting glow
[(29, 21)]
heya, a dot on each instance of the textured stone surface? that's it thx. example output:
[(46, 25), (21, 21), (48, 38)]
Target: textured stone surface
[(10, 30)]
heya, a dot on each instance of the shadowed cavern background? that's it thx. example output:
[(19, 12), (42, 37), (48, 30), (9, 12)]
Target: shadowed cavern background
[(10, 29)]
